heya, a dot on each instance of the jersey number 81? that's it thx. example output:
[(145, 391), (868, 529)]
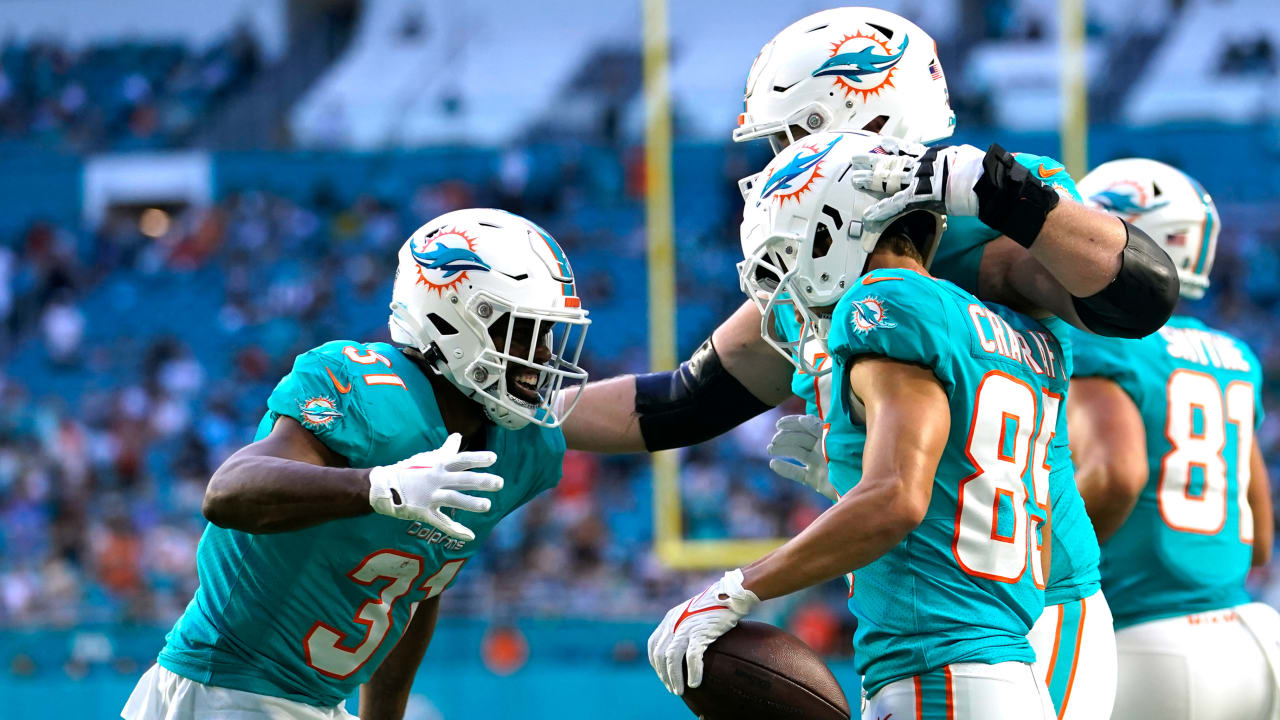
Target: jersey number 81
[(1195, 396)]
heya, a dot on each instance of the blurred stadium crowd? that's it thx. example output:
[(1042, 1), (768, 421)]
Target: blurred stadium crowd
[(112, 420), (126, 95)]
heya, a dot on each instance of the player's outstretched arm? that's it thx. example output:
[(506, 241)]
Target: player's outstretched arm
[(290, 480), (1109, 447), (1264, 519), (386, 694), (730, 379), (1108, 277), (908, 420)]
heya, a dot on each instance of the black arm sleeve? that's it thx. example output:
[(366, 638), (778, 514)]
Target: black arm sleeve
[(692, 404), (1142, 296)]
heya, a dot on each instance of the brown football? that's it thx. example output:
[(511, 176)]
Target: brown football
[(759, 672)]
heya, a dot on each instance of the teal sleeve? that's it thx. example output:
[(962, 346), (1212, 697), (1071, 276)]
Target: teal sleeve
[(1053, 173), (895, 314), (555, 461), (317, 393), (1095, 356)]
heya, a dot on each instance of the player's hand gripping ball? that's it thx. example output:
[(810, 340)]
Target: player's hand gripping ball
[(688, 628)]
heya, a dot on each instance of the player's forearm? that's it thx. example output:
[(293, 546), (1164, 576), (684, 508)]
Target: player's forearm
[(386, 694), (264, 494), (1081, 247), (604, 420), (862, 526)]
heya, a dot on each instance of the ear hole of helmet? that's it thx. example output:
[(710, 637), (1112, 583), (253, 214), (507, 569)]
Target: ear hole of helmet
[(821, 241)]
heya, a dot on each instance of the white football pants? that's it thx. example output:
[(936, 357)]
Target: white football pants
[(164, 695), (1075, 648), (964, 691), (1218, 665)]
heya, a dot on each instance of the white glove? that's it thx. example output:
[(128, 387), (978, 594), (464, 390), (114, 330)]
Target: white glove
[(689, 628), (799, 438), (417, 488), (912, 176)]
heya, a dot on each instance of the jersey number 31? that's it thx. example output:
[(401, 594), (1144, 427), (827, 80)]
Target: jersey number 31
[(331, 652)]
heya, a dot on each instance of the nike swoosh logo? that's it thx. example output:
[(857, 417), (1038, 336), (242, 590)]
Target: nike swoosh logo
[(873, 280), (521, 276), (688, 612), (784, 88), (341, 390), (1045, 173)]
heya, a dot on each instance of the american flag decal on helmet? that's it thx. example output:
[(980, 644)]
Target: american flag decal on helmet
[(934, 71)]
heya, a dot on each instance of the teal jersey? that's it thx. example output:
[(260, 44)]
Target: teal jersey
[(967, 584), (959, 252), (1074, 573), (309, 615), (1187, 545)]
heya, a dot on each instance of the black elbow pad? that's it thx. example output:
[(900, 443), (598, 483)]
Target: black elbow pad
[(1142, 296), (692, 404)]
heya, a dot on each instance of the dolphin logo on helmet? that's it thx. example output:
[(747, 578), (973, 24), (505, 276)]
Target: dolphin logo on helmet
[(449, 260), (800, 163), (853, 65), (1122, 202)]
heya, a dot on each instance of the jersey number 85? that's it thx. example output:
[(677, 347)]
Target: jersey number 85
[(995, 536)]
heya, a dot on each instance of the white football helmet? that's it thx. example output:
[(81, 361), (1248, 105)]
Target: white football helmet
[(1166, 204), (464, 272), (850, 68), (803, 239)]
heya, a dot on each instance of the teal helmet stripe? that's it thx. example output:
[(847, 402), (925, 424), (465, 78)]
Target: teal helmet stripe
[(1203, 257), (561, 259)]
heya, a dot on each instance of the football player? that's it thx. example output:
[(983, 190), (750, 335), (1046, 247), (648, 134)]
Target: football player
[(868, 69), (322, 568), (1163, 429), (940, 445)]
